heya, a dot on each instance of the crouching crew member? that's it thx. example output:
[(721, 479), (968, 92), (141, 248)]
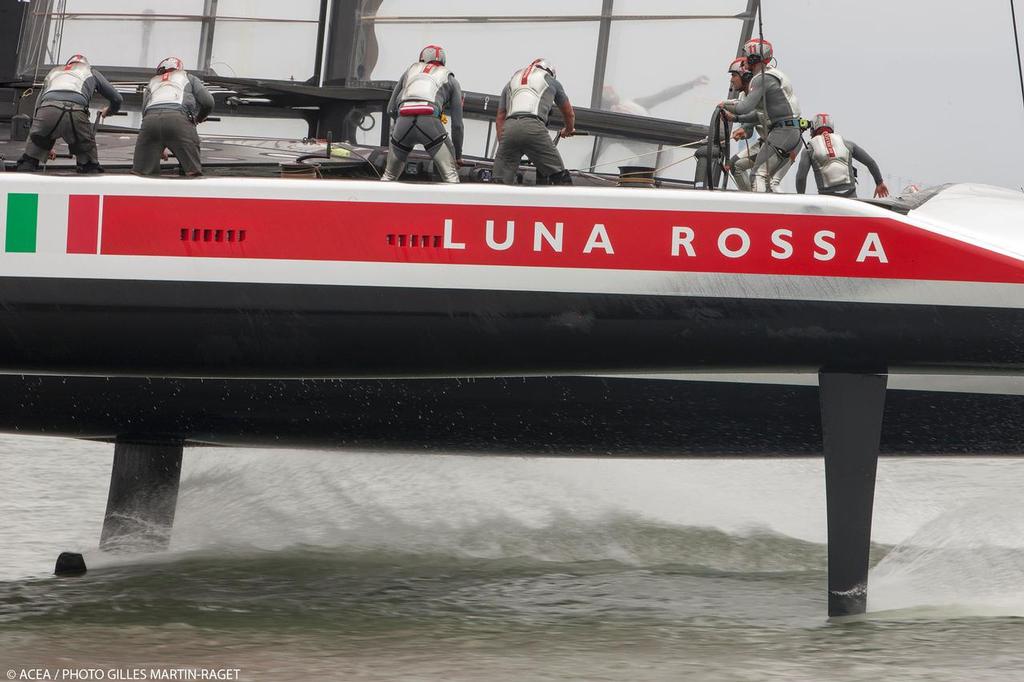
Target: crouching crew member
[(426, 91), (63, 112), (523, 111), (173, 103), (831, 156), (771, 92)]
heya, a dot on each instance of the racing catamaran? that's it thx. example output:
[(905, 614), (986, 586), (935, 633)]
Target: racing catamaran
[(250, 309)]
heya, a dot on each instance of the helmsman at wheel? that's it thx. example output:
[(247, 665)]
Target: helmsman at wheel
[(771, 92), (63, 112), (426, 92), (832, 156), (741, 162), (521, 125), (173, 102)]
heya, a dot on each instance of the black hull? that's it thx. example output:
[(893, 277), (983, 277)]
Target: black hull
[(558, 416), (197, 329)]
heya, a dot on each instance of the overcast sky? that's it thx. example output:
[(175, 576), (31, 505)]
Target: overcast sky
[(929, 88)]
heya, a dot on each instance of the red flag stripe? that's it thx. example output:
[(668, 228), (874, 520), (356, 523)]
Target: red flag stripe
[(83, 223)]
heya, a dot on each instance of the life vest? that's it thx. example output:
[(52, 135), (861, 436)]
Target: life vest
[(787, 90), (70, 78), (423, 82), (167, 88), (527, 90), (832, 158)]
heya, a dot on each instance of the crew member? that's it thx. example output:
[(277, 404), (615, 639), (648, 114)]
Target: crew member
[(832, 156), (426, 92), (521, 125), (173, 103), (741, 162), (770, 91), (63, 112)]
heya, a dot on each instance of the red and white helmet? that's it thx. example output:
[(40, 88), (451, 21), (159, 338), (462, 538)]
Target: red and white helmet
[(822, 122), (77, 59), (756, 51), (169, 64), (433, 54), (542, 63)]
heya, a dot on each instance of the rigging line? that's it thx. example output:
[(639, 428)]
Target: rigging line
[(760, 29), (637, 156), (1016, 42), (685, 158), (657, 170)]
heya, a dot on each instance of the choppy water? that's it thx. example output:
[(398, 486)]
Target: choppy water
[(300, 565)]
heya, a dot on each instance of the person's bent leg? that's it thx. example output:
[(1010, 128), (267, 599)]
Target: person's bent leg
[(40, 138), (398, 149), (780, 173), (183, 140), (741, 164), (515, 139), (444, 161), (78, 133), (149, 146), (774, 154), (542, 152), (430, 132)]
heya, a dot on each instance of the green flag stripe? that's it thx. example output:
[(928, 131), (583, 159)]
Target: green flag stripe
[(22, 212)]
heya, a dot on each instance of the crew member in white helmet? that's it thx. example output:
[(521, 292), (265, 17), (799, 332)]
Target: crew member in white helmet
[(771, 92), (63, 112), (173, 102), (832, 156), (425, 93), (526, 102), (741, 162)]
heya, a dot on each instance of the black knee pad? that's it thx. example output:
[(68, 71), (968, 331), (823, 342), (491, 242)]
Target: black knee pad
[(26, 164), (562, 177), (88, 168)]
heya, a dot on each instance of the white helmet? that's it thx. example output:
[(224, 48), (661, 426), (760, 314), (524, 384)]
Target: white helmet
[(739, 67), (433, 53), (823, 121), (756, 51), (169, 64), (542, 63), (77, 59)]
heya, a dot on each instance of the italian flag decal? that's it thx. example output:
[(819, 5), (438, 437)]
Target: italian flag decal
[(22, 220), (50, 223)]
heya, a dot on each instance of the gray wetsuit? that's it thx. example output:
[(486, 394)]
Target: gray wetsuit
[(64, 114), (842, 180), (528, 99), (172, 104), (423, 93), (744, 159), (771, 92)]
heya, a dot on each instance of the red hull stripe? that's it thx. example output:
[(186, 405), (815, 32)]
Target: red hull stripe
[(83, 223), (620, 239)]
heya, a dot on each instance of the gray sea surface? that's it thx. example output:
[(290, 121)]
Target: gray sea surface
[(293, 565)]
